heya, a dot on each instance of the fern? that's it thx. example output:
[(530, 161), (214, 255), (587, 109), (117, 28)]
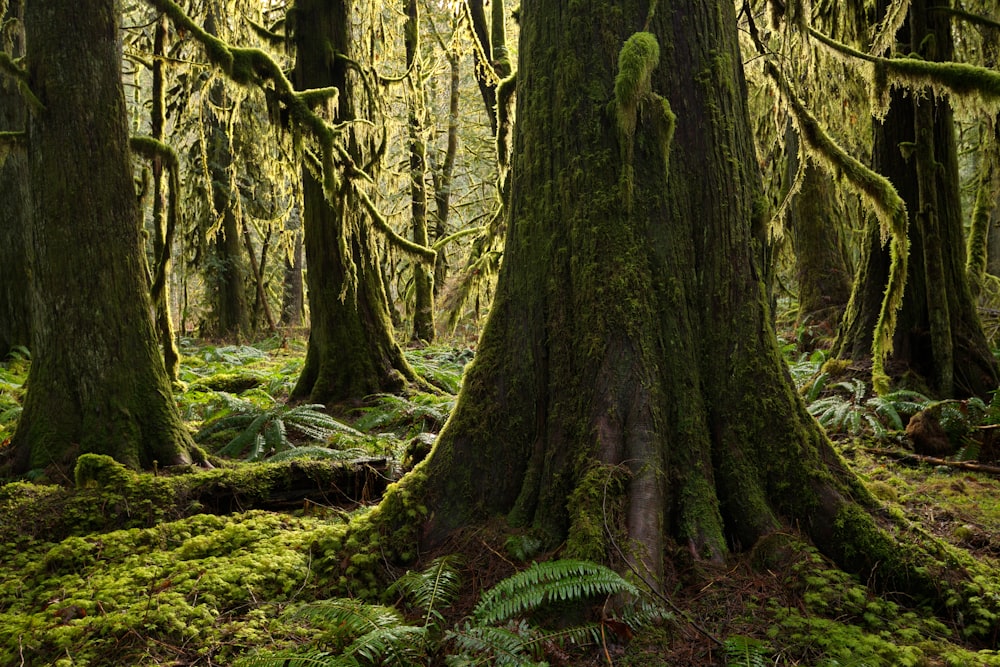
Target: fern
[(407, 416), (745, 651), (263, 432), (294, 659), (551, 581), (852, 413), (437, 585), (502, 646)]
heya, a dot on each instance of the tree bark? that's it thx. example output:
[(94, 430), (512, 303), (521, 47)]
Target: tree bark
[(15, 206), (97, 381), (820, 263), (631, 329), (938, 334), (351, 352)]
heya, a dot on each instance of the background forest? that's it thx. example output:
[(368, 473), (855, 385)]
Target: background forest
[(203, 467)]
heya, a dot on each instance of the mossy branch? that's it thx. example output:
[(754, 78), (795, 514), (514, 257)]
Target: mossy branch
[(959, 78), (969, 17), (881, 196), (423, 253), (152, 149), (13, 139), (12, 68), (451, 238)]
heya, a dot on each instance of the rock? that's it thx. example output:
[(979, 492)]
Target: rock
[(928, 436)]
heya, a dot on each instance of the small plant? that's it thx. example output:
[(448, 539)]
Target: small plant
[(501, 631), (420, 413), (745, 652), (263, 432), (852, 413)]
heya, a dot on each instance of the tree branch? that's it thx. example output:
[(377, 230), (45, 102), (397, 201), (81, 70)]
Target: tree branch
[(958, 78)]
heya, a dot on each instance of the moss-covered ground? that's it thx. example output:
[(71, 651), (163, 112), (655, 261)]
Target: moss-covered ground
[(111, 567)]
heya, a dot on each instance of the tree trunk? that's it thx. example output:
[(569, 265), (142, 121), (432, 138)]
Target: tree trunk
[(293, 304), (97, 381), (161, 251), (423, 277), (228, 274), (820, 265), (631, 330), (938, 334), (444, 175), (351, 351), (15, 205)]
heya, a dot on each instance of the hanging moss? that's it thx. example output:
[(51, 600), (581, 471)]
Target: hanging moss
[(638, 58), (890, 208), (979, 226)]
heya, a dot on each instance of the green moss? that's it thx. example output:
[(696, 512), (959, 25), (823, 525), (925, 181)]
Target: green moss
[(639, 56), (596, 513)]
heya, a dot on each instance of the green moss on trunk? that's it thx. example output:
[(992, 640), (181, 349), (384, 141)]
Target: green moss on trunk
[(351, 352), (97, 381)]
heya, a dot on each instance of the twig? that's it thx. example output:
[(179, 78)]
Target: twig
[(909, 457)]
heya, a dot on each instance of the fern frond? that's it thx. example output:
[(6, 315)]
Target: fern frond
[(247, 438), (558, 580), (293, 659), (393, 645), (745, 651), (319, 452), (504, 646), (350, 618), (274, 434), (437, 585)]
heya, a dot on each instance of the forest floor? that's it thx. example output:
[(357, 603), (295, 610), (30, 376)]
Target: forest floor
[(103, 566)]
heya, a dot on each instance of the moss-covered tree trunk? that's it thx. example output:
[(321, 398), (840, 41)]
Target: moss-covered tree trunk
[(161, 240), (631, 329), (820, 263), (97, 381), (423, 276), (938, 334), (351, 351), (15, 206)]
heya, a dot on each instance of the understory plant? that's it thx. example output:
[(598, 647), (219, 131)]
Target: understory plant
[(504, 628), (850, 410), (262, 432)]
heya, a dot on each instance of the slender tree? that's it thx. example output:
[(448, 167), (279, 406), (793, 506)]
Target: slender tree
[(15, 324), (97, 381), (631, 334), (231, 308), (423, 277)]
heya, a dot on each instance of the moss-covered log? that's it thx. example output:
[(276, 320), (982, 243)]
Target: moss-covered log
[(631, 330), (107, 496), (97, 381)]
